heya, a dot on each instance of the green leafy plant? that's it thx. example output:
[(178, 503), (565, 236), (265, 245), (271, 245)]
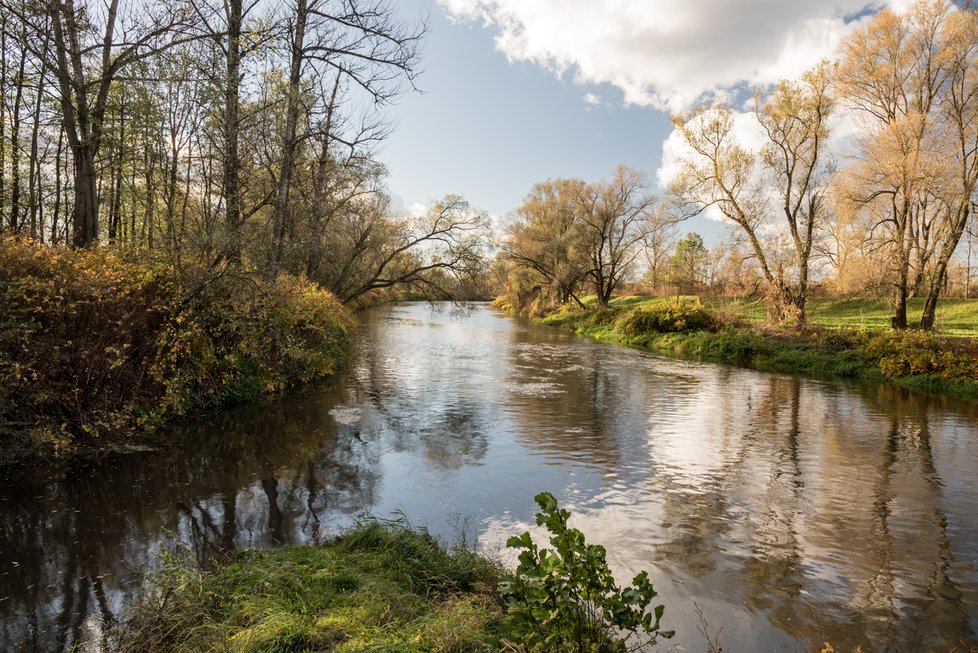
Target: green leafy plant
[(567, 600)]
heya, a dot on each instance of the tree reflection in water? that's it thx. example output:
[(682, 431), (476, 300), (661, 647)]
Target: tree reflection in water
[(793, 511)]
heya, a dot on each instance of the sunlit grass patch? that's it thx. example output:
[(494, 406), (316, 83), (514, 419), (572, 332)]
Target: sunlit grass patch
[(380, 587)]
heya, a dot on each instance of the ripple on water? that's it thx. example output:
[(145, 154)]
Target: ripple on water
[(346, 415), (533, 389)]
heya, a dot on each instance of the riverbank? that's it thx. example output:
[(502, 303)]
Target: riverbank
[(378, 587), (687, 328), (99, 348), (383, 586)]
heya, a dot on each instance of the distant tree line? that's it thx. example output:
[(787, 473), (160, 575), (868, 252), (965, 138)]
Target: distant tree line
[(238, 133), (894, 215)]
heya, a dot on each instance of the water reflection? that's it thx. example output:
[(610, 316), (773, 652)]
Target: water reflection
[(793, 512)]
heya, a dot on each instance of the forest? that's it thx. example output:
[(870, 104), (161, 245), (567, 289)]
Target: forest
[(188, 193)]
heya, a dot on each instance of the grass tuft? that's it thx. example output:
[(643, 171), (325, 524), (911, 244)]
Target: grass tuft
[(379, 587)]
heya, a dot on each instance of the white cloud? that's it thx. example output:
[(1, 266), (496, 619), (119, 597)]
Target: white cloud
[(844, 128), (670, 53), (400, 207), (416, 210), (592, 99)]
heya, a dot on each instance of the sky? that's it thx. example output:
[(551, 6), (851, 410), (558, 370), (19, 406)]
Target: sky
[(515, 92)]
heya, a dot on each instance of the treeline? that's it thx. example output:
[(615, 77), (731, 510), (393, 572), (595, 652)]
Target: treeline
[(212, 134), (188, 197), (883, 211)]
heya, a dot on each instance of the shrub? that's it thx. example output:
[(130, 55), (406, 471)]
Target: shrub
[(914, 353), (238, 339), (601, 317), (78, 336), (666, 317), (93, 343), (567, 599)]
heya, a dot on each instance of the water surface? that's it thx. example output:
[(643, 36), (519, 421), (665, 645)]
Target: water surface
[(792, 512)]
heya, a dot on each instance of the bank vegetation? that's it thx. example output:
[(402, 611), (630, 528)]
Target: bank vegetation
[(851, 184)]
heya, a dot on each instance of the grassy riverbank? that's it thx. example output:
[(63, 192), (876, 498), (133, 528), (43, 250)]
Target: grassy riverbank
[(956, 317), (385, 587), (685, 327), (380, 587), (97, 346)]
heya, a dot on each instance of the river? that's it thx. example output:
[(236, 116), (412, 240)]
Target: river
[(790, 511)]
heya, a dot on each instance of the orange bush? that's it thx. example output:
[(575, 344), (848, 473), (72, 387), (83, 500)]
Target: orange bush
[(92, 343)]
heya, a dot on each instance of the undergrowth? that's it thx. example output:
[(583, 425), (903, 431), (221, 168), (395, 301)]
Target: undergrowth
[(385, 587), (95, 346)]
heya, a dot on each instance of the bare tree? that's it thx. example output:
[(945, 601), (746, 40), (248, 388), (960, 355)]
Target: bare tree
[(91, 45), (660, 239), (447, 244), (614, 219), (723, 174), (355, 40)]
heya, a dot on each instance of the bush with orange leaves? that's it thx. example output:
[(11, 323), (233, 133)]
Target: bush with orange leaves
[(94, 346)]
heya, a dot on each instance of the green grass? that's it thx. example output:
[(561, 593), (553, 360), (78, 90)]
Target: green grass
[(955, 317), (380, 587)]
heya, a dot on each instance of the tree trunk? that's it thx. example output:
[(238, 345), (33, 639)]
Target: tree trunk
[(57, 186), (901, 222), (33, 184), (929, 316), (967, 273), (938, 279), (150, 198), (170, 195), (899, 320), (323, 166), (115, 212), (289, 142), (115, 178), (85, 214), (232, 163), (3, 111), (15, 222)]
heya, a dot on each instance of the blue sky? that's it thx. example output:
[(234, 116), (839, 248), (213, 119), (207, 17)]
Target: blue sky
[(489, 129), (506, 85)]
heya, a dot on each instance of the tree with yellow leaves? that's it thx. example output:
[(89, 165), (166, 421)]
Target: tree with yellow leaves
[(787, 177), (913, 79)]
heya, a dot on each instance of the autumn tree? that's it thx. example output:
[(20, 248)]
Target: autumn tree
[(543, 239), (911, 78), (788, 176), (614, 221)]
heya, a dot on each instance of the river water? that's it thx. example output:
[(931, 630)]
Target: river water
[(791, 512)]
